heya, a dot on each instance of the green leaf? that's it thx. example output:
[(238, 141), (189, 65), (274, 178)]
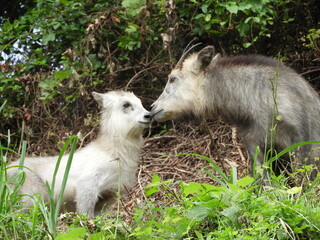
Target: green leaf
[(133, 3), (133, 7), (56, 25), (73, 234), (154, 186), (198, 16), (131, 28), (198, 213), (93, 61), (243, 28), (61, 75), (2, 106), (214, 203), (96, 236), (190, 188), (231, 213), (155, 178), (233, 175), (207, 17), (232, 8), (204, 8), (141, 231), (212, 31), (152, 191), (294, 190), (194, 187), (64, 2), (245, 181), (48, 84), (244, 6), (199, 235), (246, 45), (48, 38)]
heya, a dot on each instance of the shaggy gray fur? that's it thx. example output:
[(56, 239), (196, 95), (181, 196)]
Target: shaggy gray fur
[(251, 92)]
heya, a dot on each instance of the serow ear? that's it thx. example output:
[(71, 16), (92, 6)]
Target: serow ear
[(205, 56), (98, 97)]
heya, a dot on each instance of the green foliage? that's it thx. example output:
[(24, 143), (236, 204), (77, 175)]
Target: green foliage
[(11, 209), (133, 7), (77, 233), (59, 51), (314, 39), (71, 43), (232, 211), (34, 43), (237, 209), (164, 130), (14, 223), (251, 19)]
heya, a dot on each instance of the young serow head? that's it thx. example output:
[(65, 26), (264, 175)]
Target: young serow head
[(183, 89), (122, 112)]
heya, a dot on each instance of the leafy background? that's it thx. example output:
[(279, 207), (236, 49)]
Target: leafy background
[(55, 53)]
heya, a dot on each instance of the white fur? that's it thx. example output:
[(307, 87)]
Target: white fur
[(98, 169)]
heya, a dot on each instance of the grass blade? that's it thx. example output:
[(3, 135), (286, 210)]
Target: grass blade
[(233, 175), (288, 149), (2, 106), (74, 140), (52, 215)]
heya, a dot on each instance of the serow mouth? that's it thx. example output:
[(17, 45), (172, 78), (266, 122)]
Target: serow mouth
[(157, 113)]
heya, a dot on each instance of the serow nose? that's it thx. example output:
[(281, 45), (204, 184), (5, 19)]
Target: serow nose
[(147, 116)]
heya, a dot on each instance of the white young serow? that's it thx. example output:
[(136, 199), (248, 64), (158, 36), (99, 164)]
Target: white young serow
[(97, 169)]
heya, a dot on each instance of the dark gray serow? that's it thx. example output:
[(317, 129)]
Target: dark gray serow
[(249, 92)]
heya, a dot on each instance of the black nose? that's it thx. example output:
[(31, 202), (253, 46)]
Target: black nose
[(148, 117)]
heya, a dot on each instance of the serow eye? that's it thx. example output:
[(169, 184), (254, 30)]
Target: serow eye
[(172, 79), (126, 105)]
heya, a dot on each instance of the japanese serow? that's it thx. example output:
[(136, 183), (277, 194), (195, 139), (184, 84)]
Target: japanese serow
[(255, 93), (100, 169)]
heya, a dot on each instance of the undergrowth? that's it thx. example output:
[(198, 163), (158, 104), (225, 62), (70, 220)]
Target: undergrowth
[(232, 209), (235, 209), (16, 221)]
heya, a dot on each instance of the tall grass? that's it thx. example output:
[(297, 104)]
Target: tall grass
[(41, 221), (51, 215), (42, 214)]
